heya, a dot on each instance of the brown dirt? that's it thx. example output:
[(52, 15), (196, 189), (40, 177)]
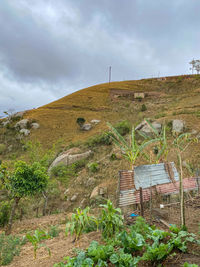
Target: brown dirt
[(60, 247)]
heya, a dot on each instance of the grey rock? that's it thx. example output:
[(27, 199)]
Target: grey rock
[(194, 132), (86, 127), (178, 126), (146, 129), (74, 198), (95, 121), (35, 125), (67, 158), (19, 114), (25, 132), (22, 124)]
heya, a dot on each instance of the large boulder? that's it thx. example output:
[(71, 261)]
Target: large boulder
[(146, 129), (19, 114), (22, 124), (68, 158), (35, 125), (178, 126)]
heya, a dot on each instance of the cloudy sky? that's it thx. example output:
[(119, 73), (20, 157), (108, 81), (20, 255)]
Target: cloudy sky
[(50, 48)]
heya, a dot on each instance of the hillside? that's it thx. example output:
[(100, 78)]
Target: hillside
[(71, 186)]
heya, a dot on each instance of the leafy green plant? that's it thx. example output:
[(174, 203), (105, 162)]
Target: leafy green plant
[(124, 259), (9, 247), (53, 231), (130, 150), (4, 213), (80, 221), (98, 140), (93, 167), (36, 238), (131, 242), (97, 251), (143, 108), (157, 252), (186, 264), (111, 220), (113, 157), (2, 148)]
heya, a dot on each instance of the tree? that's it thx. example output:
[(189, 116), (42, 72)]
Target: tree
[(195, 65), (25, 180), (80, 122)]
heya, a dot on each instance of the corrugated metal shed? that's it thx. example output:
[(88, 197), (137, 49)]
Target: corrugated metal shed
[(149, 175), (144, 176)]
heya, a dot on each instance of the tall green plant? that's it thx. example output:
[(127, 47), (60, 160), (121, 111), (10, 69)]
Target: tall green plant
[(131, 149)]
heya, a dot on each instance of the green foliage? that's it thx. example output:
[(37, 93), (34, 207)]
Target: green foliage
[(131, 241), (186, 264), (93, 167), (80, 121), (157, 252), (102, 252), (98, 140), (65, 173), (123, 127), (123, 259), (36, 238), (4, 213), (111, 220), (143, 108), (2, 148), (113, 157), (9, 247), (53, 231), (27, 180), (80, 222)]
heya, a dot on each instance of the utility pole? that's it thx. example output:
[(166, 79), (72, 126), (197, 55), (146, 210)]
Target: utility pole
[(110, 71)]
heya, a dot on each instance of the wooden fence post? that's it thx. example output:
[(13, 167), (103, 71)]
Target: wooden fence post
[(141, 202)]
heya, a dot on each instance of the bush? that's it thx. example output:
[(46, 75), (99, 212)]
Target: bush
[(80, 121), (143, 108), (4, 213), (113, 157), (101, 139), (2, 148), (123, 127), (9, 247), (93, 167)]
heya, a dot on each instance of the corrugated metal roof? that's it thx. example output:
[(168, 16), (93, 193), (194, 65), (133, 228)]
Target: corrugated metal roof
[(149, 175), (145, 176)]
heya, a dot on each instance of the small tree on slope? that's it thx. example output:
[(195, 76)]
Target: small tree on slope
[(25, 180)]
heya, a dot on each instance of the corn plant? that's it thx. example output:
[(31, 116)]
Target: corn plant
[(80, 222), (36, 238), (111, 220)]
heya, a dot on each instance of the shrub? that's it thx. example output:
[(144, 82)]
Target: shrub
[(54, 231), (2, 148), (4, 213), (113, 157), (80, 121), (93, 167), (123, 127), (143, 108), (9, 247), (101, 139)]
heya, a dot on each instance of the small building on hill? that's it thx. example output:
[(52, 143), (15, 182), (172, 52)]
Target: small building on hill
[(127, 94)]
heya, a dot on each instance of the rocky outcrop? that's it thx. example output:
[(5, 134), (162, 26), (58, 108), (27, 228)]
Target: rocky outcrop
[(70, 157), (178, 126), (25, 132), (22, 124)]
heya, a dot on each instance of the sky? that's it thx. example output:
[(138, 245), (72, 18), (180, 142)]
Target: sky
[(49, 49)]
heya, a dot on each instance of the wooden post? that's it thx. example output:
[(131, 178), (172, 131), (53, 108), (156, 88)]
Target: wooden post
[(141, 202)]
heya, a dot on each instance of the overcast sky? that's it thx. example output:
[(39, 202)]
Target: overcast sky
[(50, 48)]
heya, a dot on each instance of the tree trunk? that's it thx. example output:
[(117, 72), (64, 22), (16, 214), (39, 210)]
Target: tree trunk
[(45, 203), (182, 210), (12, 214)]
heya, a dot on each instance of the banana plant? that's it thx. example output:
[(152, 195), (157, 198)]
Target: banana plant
[(131, 149), (160, 140)]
